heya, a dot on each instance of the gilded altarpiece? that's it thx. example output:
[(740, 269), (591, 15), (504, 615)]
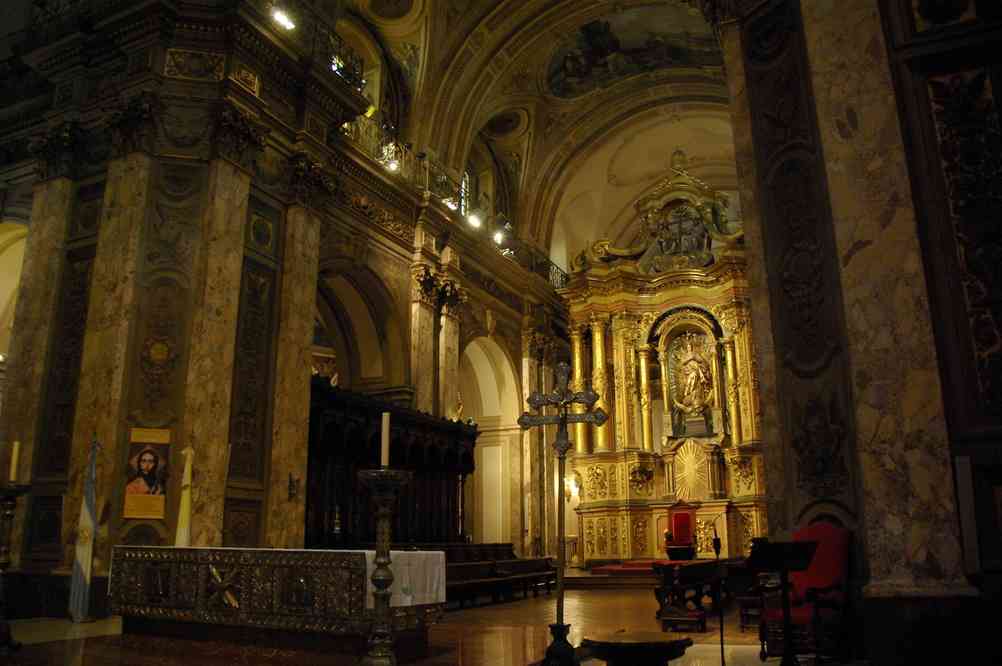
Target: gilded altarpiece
[(667, 320)]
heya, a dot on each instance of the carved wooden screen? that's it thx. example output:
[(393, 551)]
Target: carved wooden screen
[(344, 438), (948, 79)]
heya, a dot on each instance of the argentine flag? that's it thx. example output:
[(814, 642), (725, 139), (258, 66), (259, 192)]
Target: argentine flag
[(80, 589)]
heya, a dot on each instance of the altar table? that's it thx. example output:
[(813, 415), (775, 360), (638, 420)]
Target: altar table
[(253, 591)]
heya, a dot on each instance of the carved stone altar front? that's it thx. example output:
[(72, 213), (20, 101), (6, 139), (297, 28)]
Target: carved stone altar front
[(667, 320)]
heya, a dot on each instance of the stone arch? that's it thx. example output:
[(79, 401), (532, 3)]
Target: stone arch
[(359, 315), (488, 383)]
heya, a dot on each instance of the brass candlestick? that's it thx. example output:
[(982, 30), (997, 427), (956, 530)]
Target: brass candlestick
[(8, 503), (384, 483)]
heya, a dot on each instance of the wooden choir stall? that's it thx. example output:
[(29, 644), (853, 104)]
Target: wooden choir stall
[(345, 437)]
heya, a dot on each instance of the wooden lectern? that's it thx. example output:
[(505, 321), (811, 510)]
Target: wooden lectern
[(783, 557)]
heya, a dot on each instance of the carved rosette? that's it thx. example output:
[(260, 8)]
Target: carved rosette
[(239, 138), (59, 152), (310, 185), (133, 127)]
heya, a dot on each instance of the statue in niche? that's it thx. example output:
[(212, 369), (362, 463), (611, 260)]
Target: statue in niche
[(691, 384)]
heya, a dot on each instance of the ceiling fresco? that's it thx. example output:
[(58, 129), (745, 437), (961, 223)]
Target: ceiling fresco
[(630, 42)]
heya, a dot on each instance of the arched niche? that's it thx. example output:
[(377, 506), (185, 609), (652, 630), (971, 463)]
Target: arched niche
[(490, 393), (12, 243), (687, 340), (358, 323)]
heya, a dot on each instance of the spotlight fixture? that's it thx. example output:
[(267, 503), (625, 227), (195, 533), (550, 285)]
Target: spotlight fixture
[(474, 219), (451, 203), (282, 18), (498, 236)]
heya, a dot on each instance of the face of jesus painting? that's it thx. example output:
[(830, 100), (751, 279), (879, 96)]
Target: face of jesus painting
[(146, 481)]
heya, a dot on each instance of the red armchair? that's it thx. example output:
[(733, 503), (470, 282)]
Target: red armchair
[(818, 597), (678, 540)]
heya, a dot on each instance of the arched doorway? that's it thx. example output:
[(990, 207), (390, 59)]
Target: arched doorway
[(489, 392)]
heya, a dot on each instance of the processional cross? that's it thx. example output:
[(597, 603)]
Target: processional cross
[(560, 651)]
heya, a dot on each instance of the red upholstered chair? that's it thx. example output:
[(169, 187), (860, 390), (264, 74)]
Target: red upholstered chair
[(818, 597), (678, 543)]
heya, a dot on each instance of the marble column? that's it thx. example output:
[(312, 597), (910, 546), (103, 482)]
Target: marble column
[(581, 430), (37, 304), (646, 424), (733, 406), (448, 348), (35, 317), (909, 517), (598, 381), (102, 395), (209, 379), (530, 446), (286, 508), (424, 305)]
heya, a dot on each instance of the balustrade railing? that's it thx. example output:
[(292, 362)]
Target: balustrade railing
[(373, 138)]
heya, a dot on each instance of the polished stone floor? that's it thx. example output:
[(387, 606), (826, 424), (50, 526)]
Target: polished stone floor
[(506, 634)]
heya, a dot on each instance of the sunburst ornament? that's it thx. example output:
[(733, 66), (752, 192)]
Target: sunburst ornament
[(690, 471)]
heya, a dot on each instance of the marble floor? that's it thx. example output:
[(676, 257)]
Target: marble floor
[(506, 634)]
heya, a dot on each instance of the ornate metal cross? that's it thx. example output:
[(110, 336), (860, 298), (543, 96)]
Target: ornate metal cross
[(560, 651), (562, 398)]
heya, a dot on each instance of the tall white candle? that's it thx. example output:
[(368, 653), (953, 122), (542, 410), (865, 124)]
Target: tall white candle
[(15, 454), (384, 449)]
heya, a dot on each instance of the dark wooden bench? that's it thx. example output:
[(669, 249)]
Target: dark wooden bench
[(467, 580), (531, 573)]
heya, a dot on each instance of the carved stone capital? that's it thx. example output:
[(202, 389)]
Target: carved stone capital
[(133, 126), (59, 152), (452, 297), (238, 137), (425, 286), (309, 183)]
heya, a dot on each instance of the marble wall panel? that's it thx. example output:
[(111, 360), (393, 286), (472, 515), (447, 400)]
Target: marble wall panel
[(213, 333), (285, 515), (909, 517), (34, 318), (102, 397)]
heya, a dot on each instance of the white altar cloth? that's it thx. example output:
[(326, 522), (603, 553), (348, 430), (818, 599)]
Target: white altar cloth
[(418, 577)]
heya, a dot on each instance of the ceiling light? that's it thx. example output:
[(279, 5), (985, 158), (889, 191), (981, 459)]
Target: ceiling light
[(450, 203), (282, 18), (393, 165), (475, 220), (498, 236)]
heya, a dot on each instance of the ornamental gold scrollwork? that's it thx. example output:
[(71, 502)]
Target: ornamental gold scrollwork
[(597, 482)]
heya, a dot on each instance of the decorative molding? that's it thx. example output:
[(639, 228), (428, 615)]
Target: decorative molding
[(194, 65), (596, 482)]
